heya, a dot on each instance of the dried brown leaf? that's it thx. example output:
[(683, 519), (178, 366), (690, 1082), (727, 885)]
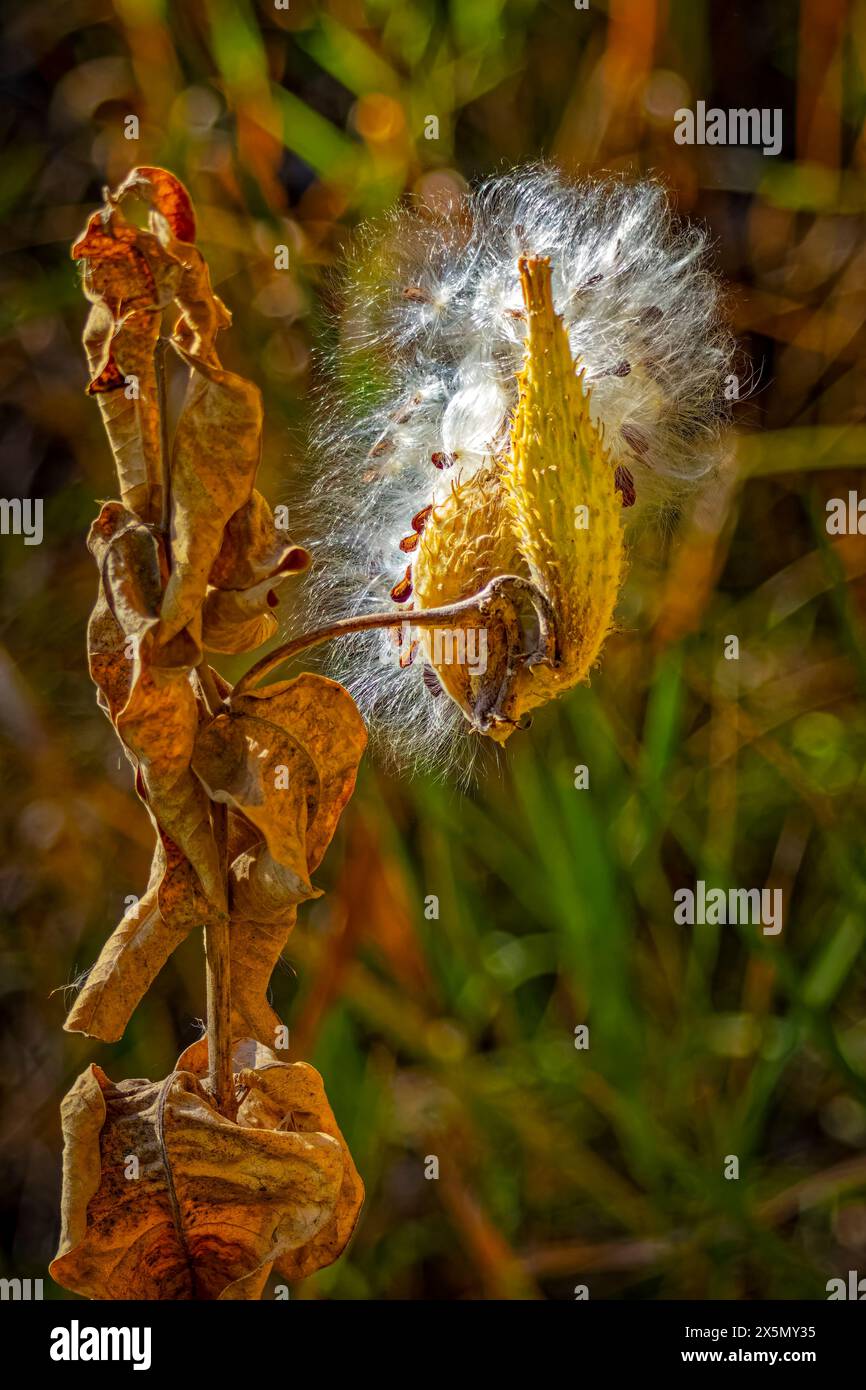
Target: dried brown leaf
[(324, 719), (158, 724), (254, 548), (216, 1202), (284, 759), (138, 948), (239, 620), (276, 1093), (255, 949), (166, 196), (130, 278), (215, 456), (145, 686)]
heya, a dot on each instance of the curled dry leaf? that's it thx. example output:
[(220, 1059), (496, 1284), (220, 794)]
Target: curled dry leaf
[(238, 620), (140, 945), (284, 759), (215, 456), (130, 278), (145, 686), (253, 563), (167, 197), (215, 1204), (278, 1090), (158, 724), (254, 548)]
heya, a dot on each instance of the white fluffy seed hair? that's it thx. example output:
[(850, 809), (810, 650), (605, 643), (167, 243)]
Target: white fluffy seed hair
[(429, 344)]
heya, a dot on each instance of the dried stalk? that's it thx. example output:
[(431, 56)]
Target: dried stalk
[(216, 930), (217, 947), (431, 617)]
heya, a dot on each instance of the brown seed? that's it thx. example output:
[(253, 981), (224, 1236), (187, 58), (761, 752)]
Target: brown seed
[(407, 657), (635, 439), (420, 519), (442, 460), (432, 681), (406, 411), (409, 543), (403, 588), (416, 295), (623, 482)]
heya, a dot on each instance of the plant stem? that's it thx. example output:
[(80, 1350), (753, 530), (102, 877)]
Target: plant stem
[(217, 947), (216, 930), (219, 996), (165, 447), (430, 617)]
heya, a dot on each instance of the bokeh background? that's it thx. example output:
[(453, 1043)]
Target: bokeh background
[(455, 1037)]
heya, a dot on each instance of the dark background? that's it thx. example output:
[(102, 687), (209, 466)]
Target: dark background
[(455, 1037)]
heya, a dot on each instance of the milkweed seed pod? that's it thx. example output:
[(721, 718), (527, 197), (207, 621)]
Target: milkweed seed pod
[(516, 382)]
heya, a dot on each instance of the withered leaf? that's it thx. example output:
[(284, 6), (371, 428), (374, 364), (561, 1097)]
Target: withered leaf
[(138, 948), (215, 1203), (215, 455), (145, 686), (275, 1092), (110, 666), (164, 1196), (284, 759), (166, 196), (172, 220), (254, 548), (158, 724), (255, 949), (129, 277), (238, 620), (262, 771), (324, 719), (253, 563)]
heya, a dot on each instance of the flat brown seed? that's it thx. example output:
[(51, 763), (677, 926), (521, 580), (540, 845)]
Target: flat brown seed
[(402, 590), (635, 439), (623, 482)]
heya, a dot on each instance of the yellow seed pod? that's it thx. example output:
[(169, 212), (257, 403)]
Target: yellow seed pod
[(558, 480), (546, 511), (465, 543)]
